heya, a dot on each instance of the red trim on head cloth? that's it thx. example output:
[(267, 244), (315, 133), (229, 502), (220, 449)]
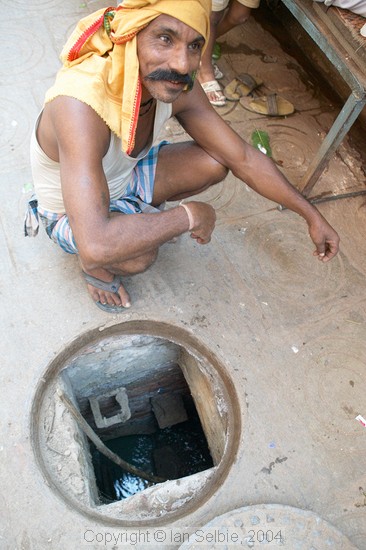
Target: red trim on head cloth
[(95, 70), (75, 49)]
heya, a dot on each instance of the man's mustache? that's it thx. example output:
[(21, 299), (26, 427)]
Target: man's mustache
[(172, 76)]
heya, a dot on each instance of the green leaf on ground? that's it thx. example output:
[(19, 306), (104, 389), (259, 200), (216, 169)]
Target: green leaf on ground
[(216, 52), (260, 140)]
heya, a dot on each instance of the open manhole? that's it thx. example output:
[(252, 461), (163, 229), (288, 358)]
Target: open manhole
[(137, 424)]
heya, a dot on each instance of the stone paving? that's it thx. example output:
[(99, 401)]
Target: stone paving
[(288, 332)]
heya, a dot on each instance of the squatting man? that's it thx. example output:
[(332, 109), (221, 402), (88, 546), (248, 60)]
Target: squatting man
[(101, 177)]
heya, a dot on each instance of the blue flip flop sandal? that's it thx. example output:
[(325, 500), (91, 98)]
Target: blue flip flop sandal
[(113, 286)]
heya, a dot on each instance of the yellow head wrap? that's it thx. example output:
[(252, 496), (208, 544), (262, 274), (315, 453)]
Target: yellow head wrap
[(100, 63)]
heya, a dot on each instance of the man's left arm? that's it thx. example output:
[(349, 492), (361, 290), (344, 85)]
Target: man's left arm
[(251, 166)]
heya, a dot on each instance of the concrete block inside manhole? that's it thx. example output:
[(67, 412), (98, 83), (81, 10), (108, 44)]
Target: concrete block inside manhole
[(121, 397), (137, 425), (169, 409)]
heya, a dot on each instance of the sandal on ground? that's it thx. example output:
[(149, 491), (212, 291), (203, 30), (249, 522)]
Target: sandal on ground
[(241, 86), (212, 86), (271, 105), (113, 286)]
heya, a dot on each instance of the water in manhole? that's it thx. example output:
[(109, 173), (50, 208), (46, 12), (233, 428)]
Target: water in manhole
[(170, 453), (156, 397)]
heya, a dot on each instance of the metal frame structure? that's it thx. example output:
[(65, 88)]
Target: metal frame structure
[(313, 18)]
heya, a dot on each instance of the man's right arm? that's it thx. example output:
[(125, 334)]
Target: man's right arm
[(83, 139)]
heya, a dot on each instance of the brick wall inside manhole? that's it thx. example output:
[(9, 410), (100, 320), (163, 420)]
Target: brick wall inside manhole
[(159, 400)]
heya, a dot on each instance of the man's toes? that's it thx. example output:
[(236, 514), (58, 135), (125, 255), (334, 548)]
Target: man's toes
[(113, 299), (125, 298), (107, 298), (119, 299), (95, 294), (102, 298)]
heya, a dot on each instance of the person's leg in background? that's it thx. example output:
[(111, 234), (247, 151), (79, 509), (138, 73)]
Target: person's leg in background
[(206, 75), (224, 17), (236, 14)]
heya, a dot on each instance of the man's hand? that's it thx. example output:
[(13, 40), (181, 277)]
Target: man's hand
[(325, 239), (202, 218)]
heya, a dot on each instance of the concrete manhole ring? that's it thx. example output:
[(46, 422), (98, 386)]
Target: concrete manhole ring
[(272, 525), (97, 363)]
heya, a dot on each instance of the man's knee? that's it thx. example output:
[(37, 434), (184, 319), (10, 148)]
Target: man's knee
[(238, 14), (209, 170), (185, 169), (137, 265), (216, 172)]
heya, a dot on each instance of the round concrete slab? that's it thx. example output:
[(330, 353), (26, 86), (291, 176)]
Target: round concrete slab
[(269, 525)]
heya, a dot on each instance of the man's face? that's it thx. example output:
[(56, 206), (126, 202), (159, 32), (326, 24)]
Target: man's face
[(169, 52)]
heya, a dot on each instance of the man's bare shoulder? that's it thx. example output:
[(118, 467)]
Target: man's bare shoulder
[(69, 122), (74, 112)]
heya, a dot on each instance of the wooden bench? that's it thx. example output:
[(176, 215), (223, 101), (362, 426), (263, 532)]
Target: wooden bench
[(334, 35)]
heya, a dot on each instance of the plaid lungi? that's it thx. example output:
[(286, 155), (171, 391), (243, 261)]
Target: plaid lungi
[(136, 199)]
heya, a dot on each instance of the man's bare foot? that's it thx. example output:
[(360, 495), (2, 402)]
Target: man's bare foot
[(103, 296)]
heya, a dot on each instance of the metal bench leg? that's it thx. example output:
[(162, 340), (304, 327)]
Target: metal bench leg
[(335, 136)]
